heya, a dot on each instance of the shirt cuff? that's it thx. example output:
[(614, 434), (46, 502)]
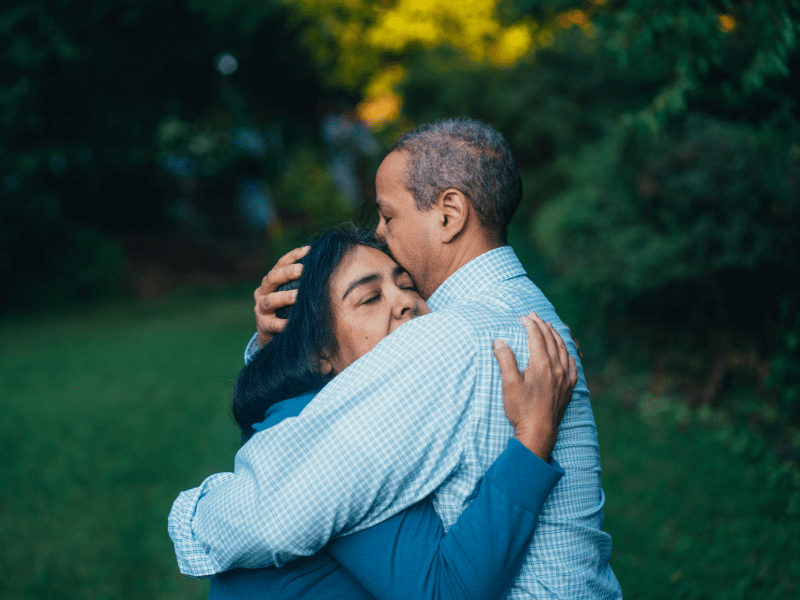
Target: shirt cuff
[(251, 349), (192, 555), (523, 476)]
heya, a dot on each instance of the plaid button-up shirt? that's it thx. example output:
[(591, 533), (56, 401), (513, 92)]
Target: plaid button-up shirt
[(421, 413)]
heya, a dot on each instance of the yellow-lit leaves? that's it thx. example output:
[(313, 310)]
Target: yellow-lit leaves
[(726, 23)]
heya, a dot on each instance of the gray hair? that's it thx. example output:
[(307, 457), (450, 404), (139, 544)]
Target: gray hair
[(468, 156)]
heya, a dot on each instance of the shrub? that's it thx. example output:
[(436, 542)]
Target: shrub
[(697, 229)]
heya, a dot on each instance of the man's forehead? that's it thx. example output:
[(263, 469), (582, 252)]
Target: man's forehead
[(393, 169), (392, 195)]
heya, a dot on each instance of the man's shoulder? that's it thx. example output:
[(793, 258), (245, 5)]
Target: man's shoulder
[(498, 306)]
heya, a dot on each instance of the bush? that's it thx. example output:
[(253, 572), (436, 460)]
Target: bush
[(701, 218), (784, 378)]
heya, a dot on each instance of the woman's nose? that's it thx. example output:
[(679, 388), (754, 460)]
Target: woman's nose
[(405, 304)]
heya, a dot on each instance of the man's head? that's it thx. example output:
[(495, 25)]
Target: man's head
[(446, 193)]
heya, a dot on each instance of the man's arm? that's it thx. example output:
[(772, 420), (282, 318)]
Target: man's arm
[(411, 556), (384, 434)]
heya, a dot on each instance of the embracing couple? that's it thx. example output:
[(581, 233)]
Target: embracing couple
[(396, 457)]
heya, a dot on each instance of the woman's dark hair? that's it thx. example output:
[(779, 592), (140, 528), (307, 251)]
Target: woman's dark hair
[(289, 365)]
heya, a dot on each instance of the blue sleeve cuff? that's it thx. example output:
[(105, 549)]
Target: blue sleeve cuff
[(523, 476)]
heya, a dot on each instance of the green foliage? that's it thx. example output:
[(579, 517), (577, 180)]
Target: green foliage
[(78, 112), (690, 494), (731, 57), (112, 112), (784, 378), (706, 200), (45, 258), (309, 201)]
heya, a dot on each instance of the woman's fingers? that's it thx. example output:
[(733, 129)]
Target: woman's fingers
[(577, 345), (509, 370), (563, 353), (549, 342), (537, 345), (536, 399)]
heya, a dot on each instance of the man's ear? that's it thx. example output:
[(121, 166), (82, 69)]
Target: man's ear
[(454, 209)]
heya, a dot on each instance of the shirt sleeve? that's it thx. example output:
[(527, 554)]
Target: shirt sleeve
[(190, 552), (381, 436), (251, 349)]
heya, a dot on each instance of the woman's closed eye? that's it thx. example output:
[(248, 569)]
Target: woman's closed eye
[(371, 299), (404, 282)]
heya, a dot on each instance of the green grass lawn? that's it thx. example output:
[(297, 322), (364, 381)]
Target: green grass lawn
[(696, 508), (109, 413)]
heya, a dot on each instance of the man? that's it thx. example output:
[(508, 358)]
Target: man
[(422, 412)]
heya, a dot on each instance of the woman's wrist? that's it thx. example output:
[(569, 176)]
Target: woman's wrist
[(539, 439)]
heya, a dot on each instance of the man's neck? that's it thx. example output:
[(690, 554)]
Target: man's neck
[(458, 256)]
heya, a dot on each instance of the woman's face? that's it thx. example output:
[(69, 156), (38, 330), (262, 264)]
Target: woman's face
[(371, 295)]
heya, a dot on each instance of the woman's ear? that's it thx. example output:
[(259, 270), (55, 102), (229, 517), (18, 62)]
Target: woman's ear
[(325, 366), (454, 209)]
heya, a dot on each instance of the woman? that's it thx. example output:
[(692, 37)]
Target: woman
[(352, 295)]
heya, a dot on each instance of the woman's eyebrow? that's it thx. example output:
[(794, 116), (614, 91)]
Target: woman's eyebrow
[(361, 281)]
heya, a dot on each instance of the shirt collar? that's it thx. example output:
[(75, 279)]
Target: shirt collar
[(490, 268)]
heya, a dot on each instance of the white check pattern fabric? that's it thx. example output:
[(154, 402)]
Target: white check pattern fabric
[(422, 412)]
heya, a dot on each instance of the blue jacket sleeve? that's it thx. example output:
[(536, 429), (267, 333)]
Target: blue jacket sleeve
[(317, 577), (411, 556)]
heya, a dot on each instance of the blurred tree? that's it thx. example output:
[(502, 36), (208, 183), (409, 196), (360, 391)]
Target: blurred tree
[(368, 44), (680, 225), (130, 116), (669, 196)]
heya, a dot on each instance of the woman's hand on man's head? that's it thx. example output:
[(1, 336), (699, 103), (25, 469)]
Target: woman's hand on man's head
[(536, 399), (268, 299)]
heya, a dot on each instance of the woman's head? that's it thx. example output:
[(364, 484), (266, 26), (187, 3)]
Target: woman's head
[(350, 296)]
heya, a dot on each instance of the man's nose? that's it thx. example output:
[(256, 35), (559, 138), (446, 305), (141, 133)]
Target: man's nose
[(380, 230)]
